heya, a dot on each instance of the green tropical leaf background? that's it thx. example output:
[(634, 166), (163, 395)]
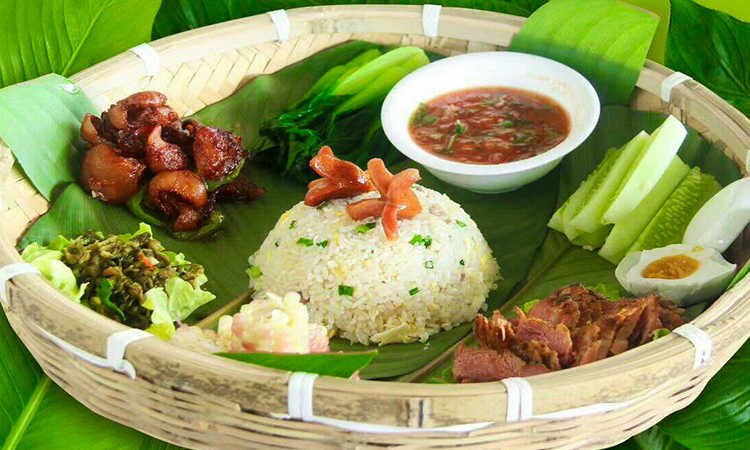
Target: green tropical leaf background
[(62, 36)]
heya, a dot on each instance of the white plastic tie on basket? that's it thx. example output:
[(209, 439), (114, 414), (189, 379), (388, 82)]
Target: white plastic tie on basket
[(280, 20), (9, 271), (700, 340), (149, 56), (670, 83), (520, 399), (300, 396), (431, 19), (300, 407), (116, 345)]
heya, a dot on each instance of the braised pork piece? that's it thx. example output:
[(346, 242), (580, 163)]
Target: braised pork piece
[(571, 327), (187, 166)]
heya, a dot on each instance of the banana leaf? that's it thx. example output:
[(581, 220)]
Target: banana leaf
[(180, 15), (720, 417), (342, 365), (713, 48), (37, 414), (612, 63), (66, 36), (651, 439)]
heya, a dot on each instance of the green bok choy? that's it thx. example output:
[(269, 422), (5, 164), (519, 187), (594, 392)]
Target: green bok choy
[(342, 109)]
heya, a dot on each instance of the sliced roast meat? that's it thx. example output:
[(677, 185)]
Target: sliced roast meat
[(556, 338), (572, 327), (494, 333), (557, 311), (473, 365)]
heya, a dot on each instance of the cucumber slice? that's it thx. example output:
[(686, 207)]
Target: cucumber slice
[(592, 241), (588, 216), (625, 232), (646, 170), (669, 224), (563, 215), (556, 221)]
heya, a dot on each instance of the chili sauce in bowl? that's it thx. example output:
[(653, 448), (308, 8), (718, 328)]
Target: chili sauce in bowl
[(490, 122), (493, 125)]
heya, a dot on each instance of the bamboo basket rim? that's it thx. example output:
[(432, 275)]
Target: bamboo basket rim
[(723, 321)]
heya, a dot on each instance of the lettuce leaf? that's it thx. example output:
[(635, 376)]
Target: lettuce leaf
[(174, 302), (143, 228), (50, 265)]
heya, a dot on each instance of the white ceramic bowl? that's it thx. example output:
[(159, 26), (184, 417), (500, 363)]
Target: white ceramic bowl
[(491, 69)]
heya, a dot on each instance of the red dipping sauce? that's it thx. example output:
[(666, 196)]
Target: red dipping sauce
[(489, 125)]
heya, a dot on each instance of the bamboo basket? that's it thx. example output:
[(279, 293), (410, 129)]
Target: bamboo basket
[(205, 402)]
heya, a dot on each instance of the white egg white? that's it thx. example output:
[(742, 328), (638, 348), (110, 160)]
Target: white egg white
[(718, 223), (710, 280)]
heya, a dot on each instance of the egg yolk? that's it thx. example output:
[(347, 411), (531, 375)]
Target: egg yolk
[(671, 267)]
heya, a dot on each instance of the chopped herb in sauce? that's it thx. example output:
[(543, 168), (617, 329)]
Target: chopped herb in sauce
[(461, 262), (460, 224), (254, 272), (306, 242), (414, 291), (429, 265), (293, 225), (322, 205), (418, 239), (346, 290), (323, 244), (489, 125), (364, 228), (276, 243), (422, 117)]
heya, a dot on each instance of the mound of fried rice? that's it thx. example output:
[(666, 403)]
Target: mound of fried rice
[(435, 276)]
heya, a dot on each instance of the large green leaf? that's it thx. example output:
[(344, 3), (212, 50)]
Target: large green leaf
[(52, 110), (720, 417), (37, 414), (66, 36), (713, 48), (651, 439), (611, 62), (342, 365), (180, 15)]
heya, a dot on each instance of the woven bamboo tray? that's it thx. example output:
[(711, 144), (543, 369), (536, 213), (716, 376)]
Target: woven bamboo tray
[(200, 401)]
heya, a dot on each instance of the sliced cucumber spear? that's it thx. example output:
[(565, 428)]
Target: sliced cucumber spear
[(591, 241), (561, 219), (588, 217), (646, 170), (669, 224), (625, 232)]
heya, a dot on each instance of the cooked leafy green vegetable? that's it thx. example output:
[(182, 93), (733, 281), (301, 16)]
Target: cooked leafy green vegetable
[(330, 106)]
